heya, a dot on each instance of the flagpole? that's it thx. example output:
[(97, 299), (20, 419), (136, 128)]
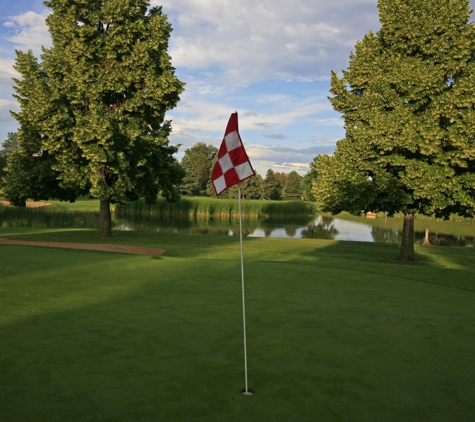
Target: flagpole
[(246, 391)]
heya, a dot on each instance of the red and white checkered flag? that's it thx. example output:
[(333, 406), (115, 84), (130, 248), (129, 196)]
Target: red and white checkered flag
[(233, 165)]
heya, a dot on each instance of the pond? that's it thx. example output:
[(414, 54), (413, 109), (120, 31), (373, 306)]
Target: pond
[(346, 227), (341, 227)]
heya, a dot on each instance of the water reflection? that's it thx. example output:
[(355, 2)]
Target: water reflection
[(321, 227), (381, 234), (437, 239)]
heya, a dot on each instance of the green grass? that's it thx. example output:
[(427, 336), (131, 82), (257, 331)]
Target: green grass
[(336, 331), (81, 204)]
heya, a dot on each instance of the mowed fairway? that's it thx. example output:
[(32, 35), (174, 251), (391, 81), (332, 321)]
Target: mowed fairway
[(336, 332)]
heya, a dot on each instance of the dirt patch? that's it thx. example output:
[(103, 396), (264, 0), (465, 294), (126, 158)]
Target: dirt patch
[(29, 204), (138, 250)]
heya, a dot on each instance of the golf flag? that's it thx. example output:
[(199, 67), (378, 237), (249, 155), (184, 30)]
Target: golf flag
[(233, 165)]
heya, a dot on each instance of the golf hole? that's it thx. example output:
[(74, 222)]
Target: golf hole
[(249, 392)]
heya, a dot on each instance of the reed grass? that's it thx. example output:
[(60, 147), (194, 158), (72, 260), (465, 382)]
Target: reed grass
[(18, 217), (218, 208)]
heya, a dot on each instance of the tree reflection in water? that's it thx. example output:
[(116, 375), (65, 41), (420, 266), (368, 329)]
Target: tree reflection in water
[(437, 239), (325, 229), (381, 234)]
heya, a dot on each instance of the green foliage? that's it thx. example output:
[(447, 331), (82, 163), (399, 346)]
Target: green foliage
[(197, 162), (293, 187), (407, 101), (272, 187), (307, 183), (92, 114), (8, 146), (250, 189), (189, 185)]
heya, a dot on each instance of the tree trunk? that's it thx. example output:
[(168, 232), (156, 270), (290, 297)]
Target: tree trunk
[(426, 239), (106, 219), (407, 244)]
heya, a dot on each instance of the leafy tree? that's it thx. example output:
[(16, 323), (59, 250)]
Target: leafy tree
[(8, 146), (271, 187), (210, 190), (11, 143), (3, 164), (293, 187), (92, 114), (189, 184), (198, 162), (282, 177), (307, 184), (408, 105), (250, 189)]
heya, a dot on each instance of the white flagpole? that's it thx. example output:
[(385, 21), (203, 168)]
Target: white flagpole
[(246, 391)]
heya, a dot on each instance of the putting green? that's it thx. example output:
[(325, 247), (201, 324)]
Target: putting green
[(332, 337)]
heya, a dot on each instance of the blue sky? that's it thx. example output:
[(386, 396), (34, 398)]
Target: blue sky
[(269, 60)]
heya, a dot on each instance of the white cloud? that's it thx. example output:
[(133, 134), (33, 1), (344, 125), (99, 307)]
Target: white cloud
[(322, 140), (332, 121), (253, 40), (223, 49), (284, 158), (275, 136), (7, 72), (261, 166), (5, 103), (30, 31)]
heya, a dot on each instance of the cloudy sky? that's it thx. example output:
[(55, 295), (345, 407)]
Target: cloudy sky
[(270, 60)]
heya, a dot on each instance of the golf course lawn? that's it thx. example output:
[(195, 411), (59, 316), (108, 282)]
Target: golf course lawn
[(336, 331)]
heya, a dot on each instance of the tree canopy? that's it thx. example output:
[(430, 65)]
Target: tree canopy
[(409, 110), (197, 163), (293, 187), (271, 187), (92, 113)]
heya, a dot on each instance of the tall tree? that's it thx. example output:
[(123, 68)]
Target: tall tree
[(251, 188), (10, 144), (282, 177), (408, 105), (307, 183), (189, 185), (94, 109), (293, 187), (198, 162), (272, 187)]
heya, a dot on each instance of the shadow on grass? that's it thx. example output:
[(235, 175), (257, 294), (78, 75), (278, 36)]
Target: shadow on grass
[(114, 338)]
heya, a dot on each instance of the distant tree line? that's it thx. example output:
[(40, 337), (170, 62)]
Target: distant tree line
[(198, 162)]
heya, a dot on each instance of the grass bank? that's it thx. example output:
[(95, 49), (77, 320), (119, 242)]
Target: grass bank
[(336, 331)]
